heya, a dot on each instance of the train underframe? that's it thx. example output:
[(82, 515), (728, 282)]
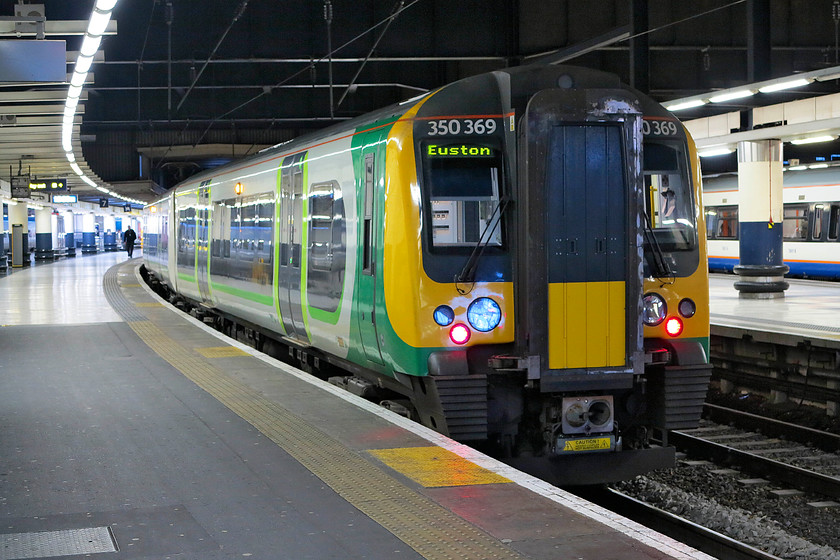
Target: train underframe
[(485, 399)]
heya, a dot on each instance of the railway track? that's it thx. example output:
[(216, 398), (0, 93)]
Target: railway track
[(693, 534), (767, 489), (799, 457)]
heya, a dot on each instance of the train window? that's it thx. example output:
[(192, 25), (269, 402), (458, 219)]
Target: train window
[(463, 181), (795, 227), (668, 196), (722, 222), (320, 226), (834, 222), (186, 236), (818, 217)]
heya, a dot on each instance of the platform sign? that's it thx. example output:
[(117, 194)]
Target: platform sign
[(65, 198), (103, 203), (49, 185), (127, 208), (20, 187)]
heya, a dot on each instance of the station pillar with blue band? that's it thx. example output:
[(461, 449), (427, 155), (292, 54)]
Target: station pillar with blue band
[(43, 234), (761, 217)]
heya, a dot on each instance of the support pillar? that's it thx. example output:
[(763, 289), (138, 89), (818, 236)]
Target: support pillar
[(19, 216), (89, 234), (760, 213), (43, 234), (110, 236), (69, 234)]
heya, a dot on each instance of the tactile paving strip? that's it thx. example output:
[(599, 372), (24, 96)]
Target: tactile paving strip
[(431, 530), (47, 544)]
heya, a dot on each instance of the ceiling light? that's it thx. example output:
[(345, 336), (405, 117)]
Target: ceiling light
[(83, 64), (90, 45), (812, 140), (798, 168), (98, 22), (818, 166), (105, 5), (715, 152), (78, 79), (785, 85), (732, 95), (685, 105)]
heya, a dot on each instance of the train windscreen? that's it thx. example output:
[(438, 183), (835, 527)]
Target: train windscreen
[(463, 184), (669, 201)]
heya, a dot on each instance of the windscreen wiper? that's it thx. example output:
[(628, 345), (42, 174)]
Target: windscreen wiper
[(467, 274), (660, 264)]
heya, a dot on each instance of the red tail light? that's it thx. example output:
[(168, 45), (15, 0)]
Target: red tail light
[(459, 333), (673, 326)]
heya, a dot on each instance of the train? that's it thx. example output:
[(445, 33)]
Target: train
[(810, 231), (516, 260)]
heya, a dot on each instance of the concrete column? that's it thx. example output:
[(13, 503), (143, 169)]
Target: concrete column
[(89, 234), (43, 234), (69, 233), (760, 216), (109, 236), (19, 216)]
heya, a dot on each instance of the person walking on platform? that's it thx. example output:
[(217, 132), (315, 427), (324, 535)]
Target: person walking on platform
[(129, 236)]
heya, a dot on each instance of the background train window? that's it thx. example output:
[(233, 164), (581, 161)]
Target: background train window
[(462, 185), (795, 227), (834, 222), (668, 197), (817, 221), (722, 222)]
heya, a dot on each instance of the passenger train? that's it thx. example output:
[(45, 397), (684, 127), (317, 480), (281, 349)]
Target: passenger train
[(518, 259), (811, 228)]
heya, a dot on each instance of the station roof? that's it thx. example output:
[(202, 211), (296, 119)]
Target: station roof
[(178, 86)]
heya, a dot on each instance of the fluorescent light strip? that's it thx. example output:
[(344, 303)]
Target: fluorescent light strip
[(99, 18), (686, 105), (715, 152), (799, 82), (740, 94), (812, 140)]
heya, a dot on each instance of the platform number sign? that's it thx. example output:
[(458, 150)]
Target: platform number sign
[(103, 203)]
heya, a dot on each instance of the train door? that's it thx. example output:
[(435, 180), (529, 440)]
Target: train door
[(582, 222), (202, 254), (367, 279), (291, 232)]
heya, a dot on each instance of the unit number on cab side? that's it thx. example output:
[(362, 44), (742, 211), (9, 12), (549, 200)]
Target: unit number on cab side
[(659, 128), (441, 127)]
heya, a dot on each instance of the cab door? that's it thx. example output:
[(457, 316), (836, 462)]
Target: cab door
[(580, 278), (371, 224)]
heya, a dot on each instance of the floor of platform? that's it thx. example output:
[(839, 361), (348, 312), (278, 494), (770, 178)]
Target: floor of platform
[(808, 308), (122, 419)]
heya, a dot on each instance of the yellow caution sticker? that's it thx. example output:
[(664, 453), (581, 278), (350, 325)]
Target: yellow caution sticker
[(587, 444)]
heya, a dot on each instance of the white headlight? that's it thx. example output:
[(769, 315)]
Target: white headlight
[(654, 309), (484, 314)]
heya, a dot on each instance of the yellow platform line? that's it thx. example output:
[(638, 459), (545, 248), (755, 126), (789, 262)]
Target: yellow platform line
[(436, 467), (433, 531), (221, 352)]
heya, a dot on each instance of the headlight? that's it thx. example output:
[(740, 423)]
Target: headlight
[(484, 314), (444, 315), (653, 309)]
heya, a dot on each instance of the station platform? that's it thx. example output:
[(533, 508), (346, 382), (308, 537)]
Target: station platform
[(129, 430), (810, 310)]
